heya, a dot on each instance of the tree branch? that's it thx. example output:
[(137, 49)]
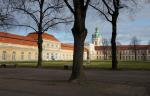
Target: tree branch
[(32, 16), (23, 26), (53, 7), (56, 24), (68, 5), (86, 5), (101, 12), (108, 5)]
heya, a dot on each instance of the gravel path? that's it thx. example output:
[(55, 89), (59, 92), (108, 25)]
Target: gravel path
[(50, 82)]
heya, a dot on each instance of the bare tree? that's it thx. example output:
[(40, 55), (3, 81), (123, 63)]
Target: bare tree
[(44, 15), (110, 10), (79, 32), (133, 46), (5, 14)]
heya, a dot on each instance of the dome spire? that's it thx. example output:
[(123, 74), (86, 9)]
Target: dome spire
[(96, 30), (97, 37)]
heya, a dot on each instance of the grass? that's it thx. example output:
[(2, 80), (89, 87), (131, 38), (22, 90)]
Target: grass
[(130, 65)]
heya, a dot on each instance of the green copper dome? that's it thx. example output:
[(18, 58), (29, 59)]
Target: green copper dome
[(96, 34)]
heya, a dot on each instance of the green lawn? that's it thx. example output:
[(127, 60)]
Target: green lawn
[(137, 65), (132, 65)]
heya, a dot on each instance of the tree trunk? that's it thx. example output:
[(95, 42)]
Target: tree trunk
[(79, 33), (106, 54), (40, 42), (77, 69), (113, 43), (135, 55), (88, 57)]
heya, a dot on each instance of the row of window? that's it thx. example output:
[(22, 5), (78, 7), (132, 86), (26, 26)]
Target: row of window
[(125, 52), (103, 52), (49, 56), (125, 57), (133, 51), (55, 56), (5, 55), (50, 45)]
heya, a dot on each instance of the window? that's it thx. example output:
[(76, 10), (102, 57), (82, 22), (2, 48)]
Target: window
[(63, 56), (122, 51), (47, 56), (22, 55), (123, 58), (127, 57), (14, 56), (52, 56), (56, 46), (52, 45), (35, 55), (48, 44), (132, 57), (29, 56), (4, 55), (127, 51), (139, 51), (95, 42), (130, 52)]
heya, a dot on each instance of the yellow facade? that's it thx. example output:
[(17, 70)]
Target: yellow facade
[(52, 50)]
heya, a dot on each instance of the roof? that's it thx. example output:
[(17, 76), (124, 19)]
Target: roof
[(69, 46), (16, 39), (124, 47), (66, 46), (31, 40), (34, 35)]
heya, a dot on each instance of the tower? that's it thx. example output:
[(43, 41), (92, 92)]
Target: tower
[(97, 38)]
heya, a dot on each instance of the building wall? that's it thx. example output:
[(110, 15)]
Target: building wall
[(14, 52), (51, 51), (124, 55), (66, 55)]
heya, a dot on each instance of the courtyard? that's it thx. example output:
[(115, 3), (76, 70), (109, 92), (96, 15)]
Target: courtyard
[(54, 82)]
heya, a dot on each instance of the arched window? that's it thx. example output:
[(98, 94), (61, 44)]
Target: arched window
[(29, 56), (52, 56), (47, 56), (4, 55), (22, 55), (13, 55)]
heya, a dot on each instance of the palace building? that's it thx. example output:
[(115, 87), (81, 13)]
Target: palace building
[(99, 51), (24, 48)]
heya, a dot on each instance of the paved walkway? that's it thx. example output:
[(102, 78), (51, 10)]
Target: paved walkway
[(48, 82)]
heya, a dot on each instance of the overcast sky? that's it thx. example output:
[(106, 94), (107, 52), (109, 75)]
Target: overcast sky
[(128, 26)]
